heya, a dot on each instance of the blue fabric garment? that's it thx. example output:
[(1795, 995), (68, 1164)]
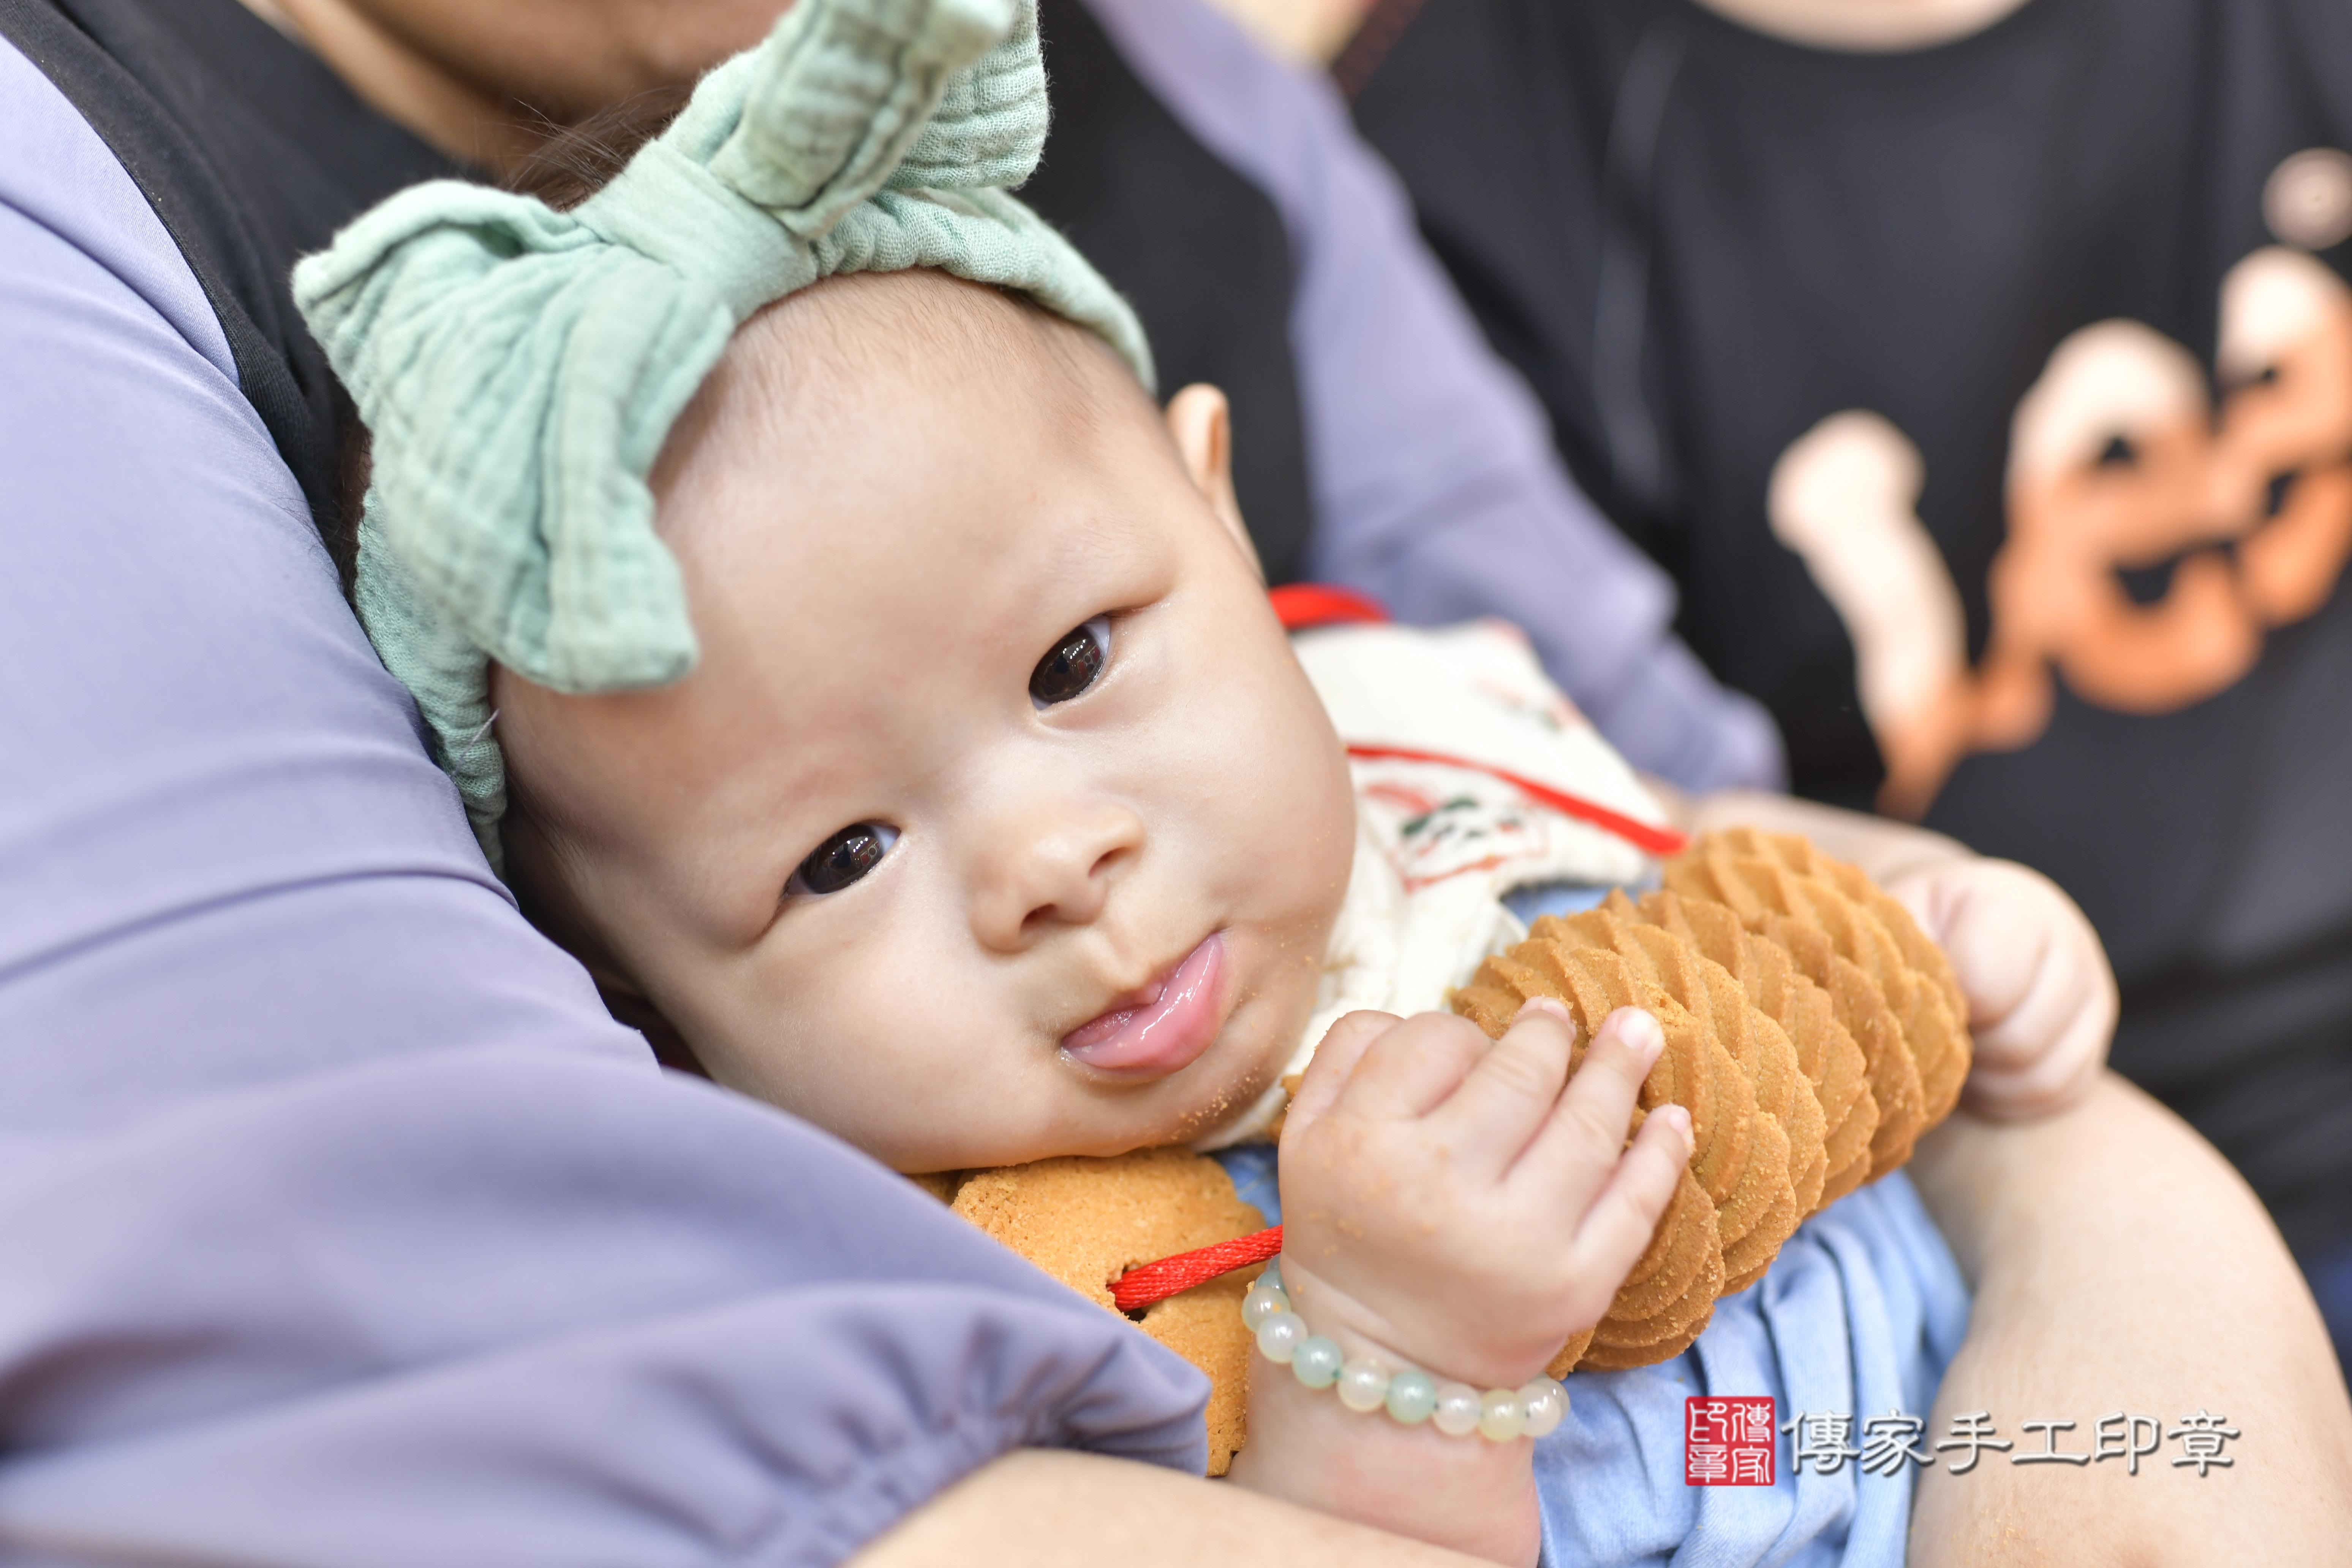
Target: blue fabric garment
[(1859, 1316), (1532, 903), (2331, 1283), (337, 1221)]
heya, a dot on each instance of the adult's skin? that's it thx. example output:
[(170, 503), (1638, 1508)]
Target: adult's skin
[(2120, 1202), (484, 83), (2151, 1208), (1318, 29), (2140, 1274), (1866, 24)]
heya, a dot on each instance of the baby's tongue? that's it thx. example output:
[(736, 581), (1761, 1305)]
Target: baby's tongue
[(1167, 1029)]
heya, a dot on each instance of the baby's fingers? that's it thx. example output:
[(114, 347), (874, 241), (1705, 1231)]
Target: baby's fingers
[(1580, 1140), (1617, 1228), (1508, 1096), (1405, 1070), (1343, 1045), (2041, 1077), (2071, 994)]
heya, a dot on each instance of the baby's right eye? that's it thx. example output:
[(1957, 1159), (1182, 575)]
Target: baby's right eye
[(1072, 664), (843, 859)]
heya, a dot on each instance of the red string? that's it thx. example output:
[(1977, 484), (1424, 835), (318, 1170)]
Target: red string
[(1139, 1288), (1640, 834), (1299, 606)]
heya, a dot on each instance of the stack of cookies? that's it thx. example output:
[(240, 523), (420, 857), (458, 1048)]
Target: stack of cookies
[(1812, 1031)]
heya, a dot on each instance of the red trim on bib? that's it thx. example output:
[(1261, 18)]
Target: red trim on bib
[(1641, 836)]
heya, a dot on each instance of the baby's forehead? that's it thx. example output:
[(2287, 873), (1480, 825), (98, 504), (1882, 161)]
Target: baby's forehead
[(870, 420), (818, 350), (897, 404)]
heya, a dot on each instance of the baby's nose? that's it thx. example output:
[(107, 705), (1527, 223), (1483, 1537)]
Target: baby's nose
[(1055, 871)]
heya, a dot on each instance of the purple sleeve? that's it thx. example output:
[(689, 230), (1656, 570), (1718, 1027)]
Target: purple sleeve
[(338, 1223), (1436, 487)]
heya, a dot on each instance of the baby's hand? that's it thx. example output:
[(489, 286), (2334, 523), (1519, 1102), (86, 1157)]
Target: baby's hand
[(1447, 1203), (2041, 1000)]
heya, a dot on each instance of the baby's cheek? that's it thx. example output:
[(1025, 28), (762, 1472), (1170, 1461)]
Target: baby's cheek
[(904, 1050)]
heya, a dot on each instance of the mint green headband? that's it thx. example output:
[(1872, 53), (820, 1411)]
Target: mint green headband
[(518, 368)]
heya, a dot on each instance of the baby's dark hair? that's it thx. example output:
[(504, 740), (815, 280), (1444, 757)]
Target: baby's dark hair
[(577, 161)]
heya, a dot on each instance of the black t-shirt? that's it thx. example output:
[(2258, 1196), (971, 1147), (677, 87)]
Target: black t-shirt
[(1773, 295), (252, 154)]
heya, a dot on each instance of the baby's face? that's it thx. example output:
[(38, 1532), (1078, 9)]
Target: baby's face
[(997, 820)]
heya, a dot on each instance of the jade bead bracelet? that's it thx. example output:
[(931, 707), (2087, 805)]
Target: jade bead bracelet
[(1411, 1396)]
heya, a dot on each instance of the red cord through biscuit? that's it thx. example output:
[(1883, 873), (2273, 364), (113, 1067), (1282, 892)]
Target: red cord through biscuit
[(1139, 1288)]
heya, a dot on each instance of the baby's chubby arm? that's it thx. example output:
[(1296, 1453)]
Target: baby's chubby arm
[(1461, 1208), (2041, 1000)]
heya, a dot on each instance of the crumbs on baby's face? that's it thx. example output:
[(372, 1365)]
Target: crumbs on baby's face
[(994, 816)]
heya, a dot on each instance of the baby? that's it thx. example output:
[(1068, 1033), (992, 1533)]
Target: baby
[(957, 788)]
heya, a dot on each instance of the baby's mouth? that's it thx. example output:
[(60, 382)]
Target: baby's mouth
[(1165, 1027)]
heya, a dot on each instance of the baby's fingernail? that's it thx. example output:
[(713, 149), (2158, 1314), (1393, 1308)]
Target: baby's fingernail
[(1676, 1116), (1548, 1005), (1640, 1031)]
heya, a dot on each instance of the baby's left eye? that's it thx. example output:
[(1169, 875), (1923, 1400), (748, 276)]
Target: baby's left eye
[(1076, 663), (843, 858)]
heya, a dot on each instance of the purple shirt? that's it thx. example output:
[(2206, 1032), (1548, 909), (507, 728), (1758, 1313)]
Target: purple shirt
[(1436, 487), (337, 1221)]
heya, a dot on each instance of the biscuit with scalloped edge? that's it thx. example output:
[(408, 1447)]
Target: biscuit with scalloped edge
[(1086, 1222), (1842, 948), (1667, 1299), (1788, 1112), (1693, 1071), (1942, 1071), (1826, 1052)]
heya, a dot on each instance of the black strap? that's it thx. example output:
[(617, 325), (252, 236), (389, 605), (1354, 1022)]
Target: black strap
[(1199, 252), (242, 190), (1640, 468)]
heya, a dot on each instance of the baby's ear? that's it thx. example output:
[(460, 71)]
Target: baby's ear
[(1203, 431)]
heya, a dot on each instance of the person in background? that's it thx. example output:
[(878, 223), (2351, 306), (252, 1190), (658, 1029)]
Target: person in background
[(1981, 373)]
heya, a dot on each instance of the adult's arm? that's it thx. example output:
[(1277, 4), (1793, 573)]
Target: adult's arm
[(1037, 1509), (337, 1222), (2121, 1267), (1435, 483)]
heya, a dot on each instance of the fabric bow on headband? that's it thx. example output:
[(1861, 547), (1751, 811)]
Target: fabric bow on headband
[(518, 368)]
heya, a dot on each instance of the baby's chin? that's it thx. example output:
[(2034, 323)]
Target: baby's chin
[(1239, 1094), (1231, 1097)]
